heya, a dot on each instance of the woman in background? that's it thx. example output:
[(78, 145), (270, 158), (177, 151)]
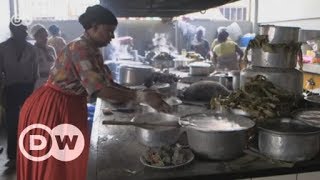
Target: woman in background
[(226, 52), (199, 44), (56, 41), (45, 53)]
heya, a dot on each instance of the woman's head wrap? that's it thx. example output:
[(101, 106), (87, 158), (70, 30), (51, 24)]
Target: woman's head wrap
[(223, 36), (36, 28), (99, 15), (54, 29)]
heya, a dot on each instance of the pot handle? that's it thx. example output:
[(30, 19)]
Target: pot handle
[(184, 121)]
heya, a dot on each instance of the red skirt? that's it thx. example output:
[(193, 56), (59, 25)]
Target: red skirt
[(51, 107)]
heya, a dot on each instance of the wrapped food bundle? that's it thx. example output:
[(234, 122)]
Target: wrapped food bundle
[(260, 99)]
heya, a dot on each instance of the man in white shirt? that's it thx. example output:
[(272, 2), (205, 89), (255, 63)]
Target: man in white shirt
[(19, 70)]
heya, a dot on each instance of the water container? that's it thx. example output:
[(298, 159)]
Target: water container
[(244, 40)]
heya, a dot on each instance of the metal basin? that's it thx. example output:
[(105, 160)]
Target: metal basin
[(280, 58), (217, 144), (132, 75), (289, 140), (289, 79), (152, 136), (199, 69)]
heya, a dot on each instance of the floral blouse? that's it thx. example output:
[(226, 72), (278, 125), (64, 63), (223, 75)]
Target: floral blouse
[(79, 68)]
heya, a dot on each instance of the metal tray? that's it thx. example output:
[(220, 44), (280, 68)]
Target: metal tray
[(314, 99), (308, 116)]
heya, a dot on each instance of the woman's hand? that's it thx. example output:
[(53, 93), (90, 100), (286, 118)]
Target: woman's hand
[(153, 99)]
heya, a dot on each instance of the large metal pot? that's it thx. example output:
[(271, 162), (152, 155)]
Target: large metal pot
[(289, 79), (132, 75), (288, 140), (181, 62), (280, 34), (152, 136), (223, 144), (199, 69), (235, 74), (280, 58), (114, 66), (225, 79)]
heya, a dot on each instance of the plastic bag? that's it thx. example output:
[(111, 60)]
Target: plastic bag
[(234, 31)]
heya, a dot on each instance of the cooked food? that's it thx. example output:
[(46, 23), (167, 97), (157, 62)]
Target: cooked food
[(158, 77), (163, 56), (222, 124), (166, 156), (260, 98)]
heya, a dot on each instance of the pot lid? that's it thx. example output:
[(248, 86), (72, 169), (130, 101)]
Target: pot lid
[(314, 99), (153, 87), (287, 126), (222, 75), (310, 117), (135, 66), (199, 64), (218, 122)]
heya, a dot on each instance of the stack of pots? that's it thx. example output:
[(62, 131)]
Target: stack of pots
[(277, 62)]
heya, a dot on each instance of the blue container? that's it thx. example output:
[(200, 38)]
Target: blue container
[(244, 40), (91, 108)]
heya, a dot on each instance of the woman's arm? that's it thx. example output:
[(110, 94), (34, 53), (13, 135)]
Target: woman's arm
[(239, 51), (118, 94)]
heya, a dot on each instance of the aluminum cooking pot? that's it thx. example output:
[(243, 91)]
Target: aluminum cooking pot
[(235, 79), (280, 58), (132, 75), (199, 69), (217, 136), (280, 34), (288, 79), (288, 140), (152, 136), (181, 62), (226, 80)]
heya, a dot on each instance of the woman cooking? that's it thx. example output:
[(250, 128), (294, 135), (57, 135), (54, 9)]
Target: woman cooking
[(77, 73), (225, 53)]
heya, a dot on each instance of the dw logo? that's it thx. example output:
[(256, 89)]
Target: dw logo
[(67, 142)]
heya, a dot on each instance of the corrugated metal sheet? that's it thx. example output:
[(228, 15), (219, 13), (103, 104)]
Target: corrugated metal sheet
[(160, 8)]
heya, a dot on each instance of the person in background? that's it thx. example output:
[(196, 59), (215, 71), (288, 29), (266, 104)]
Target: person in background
[(215, 41), (56, 40), (226, 52), (19, 72), (199, 44), (76, 74), (45, 53)]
